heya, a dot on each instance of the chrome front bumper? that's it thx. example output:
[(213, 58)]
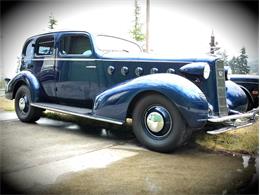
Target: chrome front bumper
[(249, 115), (233, 122)]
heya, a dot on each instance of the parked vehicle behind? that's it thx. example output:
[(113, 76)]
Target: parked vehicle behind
[(250, 85), (109, 79)]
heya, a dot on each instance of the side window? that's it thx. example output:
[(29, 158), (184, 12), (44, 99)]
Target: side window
[(75, 45), (45, 45), (28, 49)]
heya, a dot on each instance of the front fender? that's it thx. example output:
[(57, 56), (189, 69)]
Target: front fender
[(236, 97), (27, 78), (187, 97)]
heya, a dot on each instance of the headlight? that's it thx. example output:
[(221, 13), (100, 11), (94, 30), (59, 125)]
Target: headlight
[(228, 72), (200, 69), (206, 71)]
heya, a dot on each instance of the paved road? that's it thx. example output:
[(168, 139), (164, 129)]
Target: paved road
[(59, 157)]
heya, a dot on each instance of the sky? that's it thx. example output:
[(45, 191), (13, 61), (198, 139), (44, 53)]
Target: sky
[(177, 27)]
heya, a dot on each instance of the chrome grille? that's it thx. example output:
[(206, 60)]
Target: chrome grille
[(221, 88)]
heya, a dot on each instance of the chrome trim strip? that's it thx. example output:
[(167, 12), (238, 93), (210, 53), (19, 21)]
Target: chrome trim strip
[(65, 59), (91, 67), (141, 60), (109, 60), (250, 114), (80, 115)]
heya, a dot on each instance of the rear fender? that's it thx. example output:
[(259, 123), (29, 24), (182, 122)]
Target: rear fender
[(186, 96), (24, 78)]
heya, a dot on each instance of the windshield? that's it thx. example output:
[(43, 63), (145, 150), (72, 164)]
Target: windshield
[(108, 44)]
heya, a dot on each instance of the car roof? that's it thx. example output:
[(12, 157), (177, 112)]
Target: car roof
[(79, 31), (60, 31)]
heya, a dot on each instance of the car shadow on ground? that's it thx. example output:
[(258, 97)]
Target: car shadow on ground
[(91, 128), (99, 130)]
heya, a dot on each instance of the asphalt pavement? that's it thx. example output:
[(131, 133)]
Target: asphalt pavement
[(60, 157)]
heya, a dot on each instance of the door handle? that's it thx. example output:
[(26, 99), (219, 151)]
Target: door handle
[(91, 67)]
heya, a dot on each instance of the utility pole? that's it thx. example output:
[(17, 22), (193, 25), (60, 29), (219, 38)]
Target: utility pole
[(147, 25)]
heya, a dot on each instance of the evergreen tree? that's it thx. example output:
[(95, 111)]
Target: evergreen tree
[(137, 33), (233, 64), (242, 62), (52, 22), (239, 65), (224, 57)]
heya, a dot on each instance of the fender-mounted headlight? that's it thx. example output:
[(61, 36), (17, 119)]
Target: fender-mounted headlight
[(228, 72), (201, 69), (206, 71)]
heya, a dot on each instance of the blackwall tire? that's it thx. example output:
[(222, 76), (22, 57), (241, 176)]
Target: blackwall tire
[(24, 111), (158, 124)]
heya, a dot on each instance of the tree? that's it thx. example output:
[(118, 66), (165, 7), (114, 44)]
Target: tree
[(224, 57), (242, 62), (52, 22), (233, 64), (239, 65), (137, 32)]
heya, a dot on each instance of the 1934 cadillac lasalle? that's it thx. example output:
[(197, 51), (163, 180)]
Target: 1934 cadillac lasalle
[(109, 79)]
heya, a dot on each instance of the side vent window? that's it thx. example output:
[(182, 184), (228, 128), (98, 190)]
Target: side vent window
[(78, 45), (45, 46)]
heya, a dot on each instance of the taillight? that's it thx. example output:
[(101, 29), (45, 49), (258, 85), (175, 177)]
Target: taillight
[(255, 92)]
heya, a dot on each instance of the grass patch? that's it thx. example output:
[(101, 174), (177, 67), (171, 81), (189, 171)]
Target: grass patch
[(6, 105), (243, 141)]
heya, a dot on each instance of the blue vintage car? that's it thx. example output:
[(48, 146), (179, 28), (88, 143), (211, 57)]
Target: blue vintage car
[(250, 85), (110, 79)]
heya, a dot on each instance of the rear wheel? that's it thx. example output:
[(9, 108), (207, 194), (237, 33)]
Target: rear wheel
[(23, 109), (158, 124)]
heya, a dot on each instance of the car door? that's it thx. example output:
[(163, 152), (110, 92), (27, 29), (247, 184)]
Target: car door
[(76, 68), (43, 64)]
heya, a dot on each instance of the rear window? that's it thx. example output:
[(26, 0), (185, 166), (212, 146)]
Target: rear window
[(45, 45), (28, 49)]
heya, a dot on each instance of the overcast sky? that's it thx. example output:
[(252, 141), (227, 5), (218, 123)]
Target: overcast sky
[(178, 27)]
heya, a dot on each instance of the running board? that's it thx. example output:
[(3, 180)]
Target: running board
[(76, 111)]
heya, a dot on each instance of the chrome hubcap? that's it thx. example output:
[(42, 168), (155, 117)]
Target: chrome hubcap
[(21, 103), (155, 122)]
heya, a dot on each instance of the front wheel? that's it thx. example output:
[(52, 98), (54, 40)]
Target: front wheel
[(158, 124), (25, 112)]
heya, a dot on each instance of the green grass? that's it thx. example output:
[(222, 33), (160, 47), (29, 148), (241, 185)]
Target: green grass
[(6, 105), (243, 141)]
